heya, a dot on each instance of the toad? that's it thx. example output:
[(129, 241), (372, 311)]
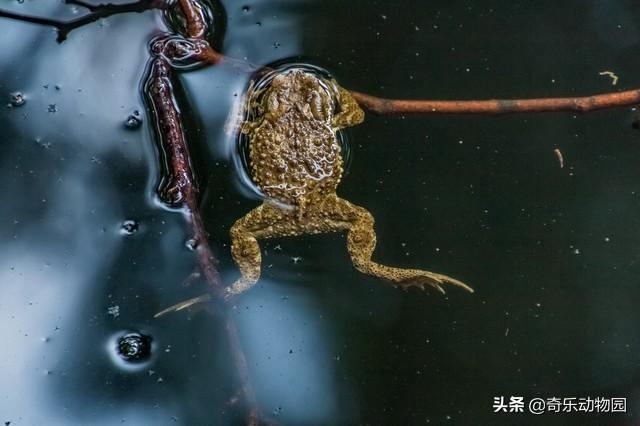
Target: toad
[(295, 161)]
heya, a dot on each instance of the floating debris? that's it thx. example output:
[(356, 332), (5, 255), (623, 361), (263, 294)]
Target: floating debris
[(614, 78), (114, 311), (559, 157)]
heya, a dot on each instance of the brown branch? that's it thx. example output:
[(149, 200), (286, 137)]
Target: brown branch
[(184, 53), (196, 21), (498, 106), (199, 50), (181, 188), (97, 12)]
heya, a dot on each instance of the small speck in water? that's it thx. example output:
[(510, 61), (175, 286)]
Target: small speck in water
[(133, 121), (114, 311), (246, 9), (134, 347), (52, 108), (17, 99), (296, 259), (43, 144), (129, 227)]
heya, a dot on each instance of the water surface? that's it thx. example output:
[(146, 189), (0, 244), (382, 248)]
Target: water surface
[(551, 252)]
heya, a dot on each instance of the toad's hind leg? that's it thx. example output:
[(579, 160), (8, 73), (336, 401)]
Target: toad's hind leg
[(361, 241)]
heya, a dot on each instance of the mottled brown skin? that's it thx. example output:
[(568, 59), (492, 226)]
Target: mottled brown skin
[(295, 161)]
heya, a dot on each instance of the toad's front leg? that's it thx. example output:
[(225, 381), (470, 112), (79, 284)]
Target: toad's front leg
[(266, 221), (350, 112)]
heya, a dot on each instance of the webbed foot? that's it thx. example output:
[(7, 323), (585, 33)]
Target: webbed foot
[(423, 279)]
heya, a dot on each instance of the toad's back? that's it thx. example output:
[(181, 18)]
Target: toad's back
[(294, 152)]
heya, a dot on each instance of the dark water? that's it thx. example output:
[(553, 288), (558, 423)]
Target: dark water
[(553, 253)]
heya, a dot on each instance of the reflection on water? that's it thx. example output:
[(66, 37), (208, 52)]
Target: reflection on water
[(88, 255)]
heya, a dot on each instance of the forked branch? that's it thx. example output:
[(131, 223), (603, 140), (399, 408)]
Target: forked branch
[(202, 51), (95, 12)]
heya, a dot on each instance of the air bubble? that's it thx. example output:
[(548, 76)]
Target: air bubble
[(134, 347), (133, 121), (129, 227), (191, 244), (17, 99)]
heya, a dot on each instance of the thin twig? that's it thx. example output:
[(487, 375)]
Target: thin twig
[(498, 106), (97, 12)]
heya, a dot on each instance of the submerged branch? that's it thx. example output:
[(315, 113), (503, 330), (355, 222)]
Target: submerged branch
[(96, 12), (182, 189), (498, 106)]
